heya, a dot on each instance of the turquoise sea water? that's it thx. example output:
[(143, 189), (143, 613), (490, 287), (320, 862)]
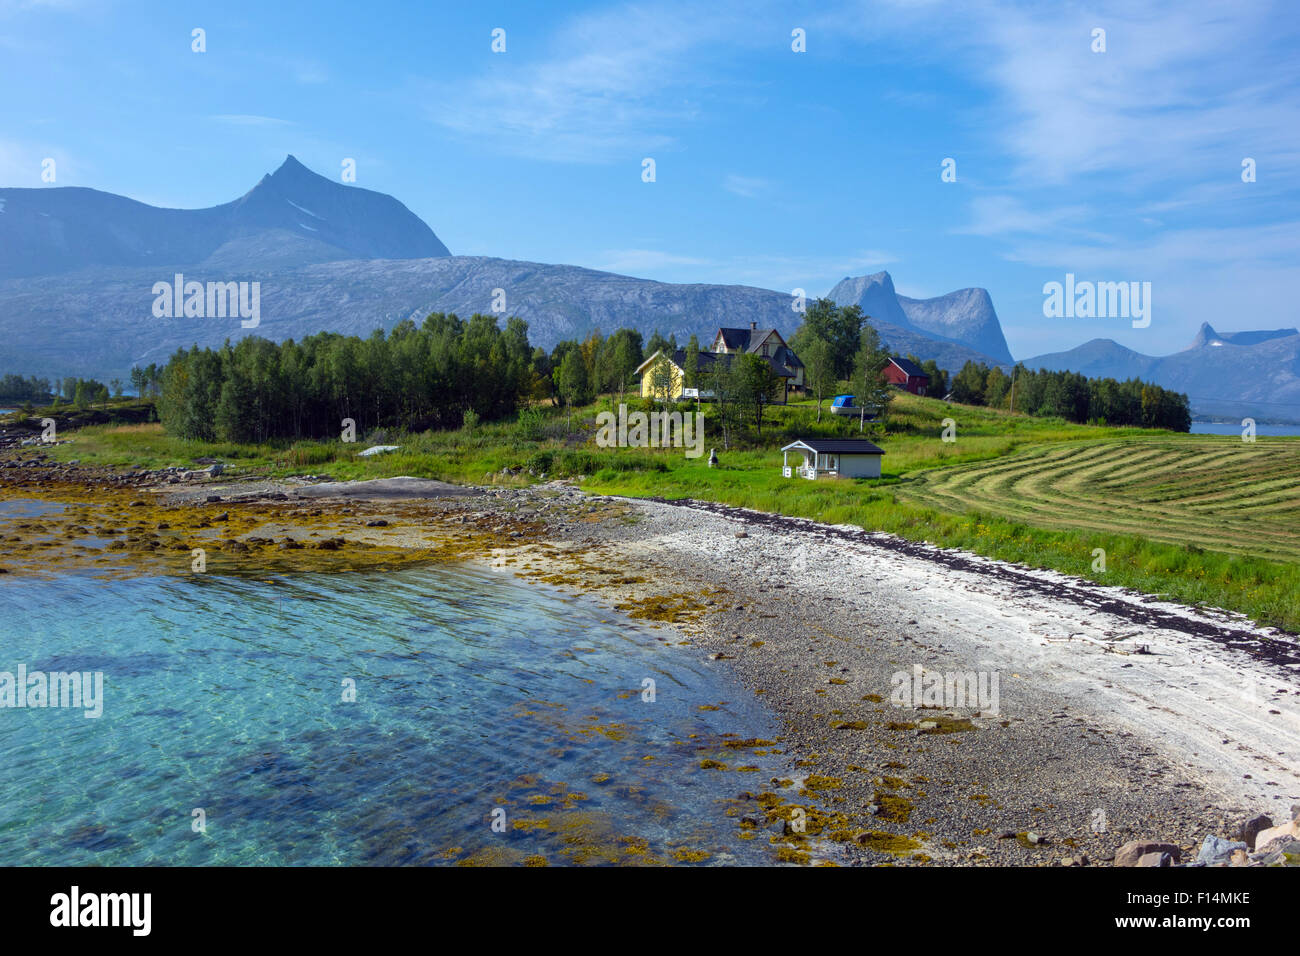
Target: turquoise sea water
[(473, 691)]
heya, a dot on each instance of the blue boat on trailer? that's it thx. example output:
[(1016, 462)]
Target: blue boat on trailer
[(843, 405)]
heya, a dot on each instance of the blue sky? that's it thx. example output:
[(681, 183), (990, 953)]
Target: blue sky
[(773, 168)]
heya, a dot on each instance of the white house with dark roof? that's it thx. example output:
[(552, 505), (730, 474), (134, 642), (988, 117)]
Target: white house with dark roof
[(833, 458), (765, 342)]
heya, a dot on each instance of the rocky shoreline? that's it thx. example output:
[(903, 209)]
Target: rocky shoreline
[(1113, 735)]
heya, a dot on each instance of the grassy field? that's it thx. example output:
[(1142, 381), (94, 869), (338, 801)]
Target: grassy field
[(1213, 492), (1198, 519)]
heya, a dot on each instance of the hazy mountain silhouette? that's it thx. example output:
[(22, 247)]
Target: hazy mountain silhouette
[(293, 216), (1254, 373)]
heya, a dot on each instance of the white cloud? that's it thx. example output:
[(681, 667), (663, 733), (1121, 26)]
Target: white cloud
[(615, 84), (249, 119), (1000, 215), (747, 186), (1182, 88), (309, 72)]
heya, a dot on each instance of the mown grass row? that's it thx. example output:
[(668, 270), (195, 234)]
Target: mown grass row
[(1225, 495)]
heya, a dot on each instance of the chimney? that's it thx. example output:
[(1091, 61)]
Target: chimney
[(753, 326)]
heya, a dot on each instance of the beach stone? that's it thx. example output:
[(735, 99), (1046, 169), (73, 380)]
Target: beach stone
[(1240, 858), (1130, 853), (1155, 859), (1248, 829), (1265, 837), (1216, 850)]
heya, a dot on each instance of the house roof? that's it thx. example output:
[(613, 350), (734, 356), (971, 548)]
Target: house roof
[(837, 446), (785, 355), (650, 360), (734, 338), (746, 340), (909, 368)]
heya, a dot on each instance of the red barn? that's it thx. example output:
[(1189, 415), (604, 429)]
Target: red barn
[(907, 376)]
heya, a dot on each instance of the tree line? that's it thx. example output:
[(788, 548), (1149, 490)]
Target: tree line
[(81, 392), (445, 371), (422, 377), (1074, 397), (16, 388)]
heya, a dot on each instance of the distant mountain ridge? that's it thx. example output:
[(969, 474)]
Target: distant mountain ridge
[(292, 216), (78, 266), (99, 321), (1208, 336), (1249, 374), (965, 317)]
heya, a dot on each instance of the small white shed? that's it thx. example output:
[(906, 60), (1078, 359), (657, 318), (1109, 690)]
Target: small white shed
[(833, 458)]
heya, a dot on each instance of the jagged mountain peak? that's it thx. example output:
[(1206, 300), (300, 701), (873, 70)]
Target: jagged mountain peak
[(1207, 336), (965, 316), (292, 215)]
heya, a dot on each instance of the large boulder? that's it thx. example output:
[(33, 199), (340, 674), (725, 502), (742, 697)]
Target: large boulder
[(1286, 830), (1216, 851), (1248, 829), (1133, 851)]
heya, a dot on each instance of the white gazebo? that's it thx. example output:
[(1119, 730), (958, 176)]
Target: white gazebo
[(833, 458)]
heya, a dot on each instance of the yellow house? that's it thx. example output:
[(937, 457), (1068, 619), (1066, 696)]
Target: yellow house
[(654, 383), (663, 376)]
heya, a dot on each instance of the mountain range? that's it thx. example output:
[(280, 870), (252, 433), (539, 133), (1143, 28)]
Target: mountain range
[(78, 268), (1227, 374), (291, 217)]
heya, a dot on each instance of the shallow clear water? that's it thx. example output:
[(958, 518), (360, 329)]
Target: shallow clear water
[(1227, 428), (473, 690)]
